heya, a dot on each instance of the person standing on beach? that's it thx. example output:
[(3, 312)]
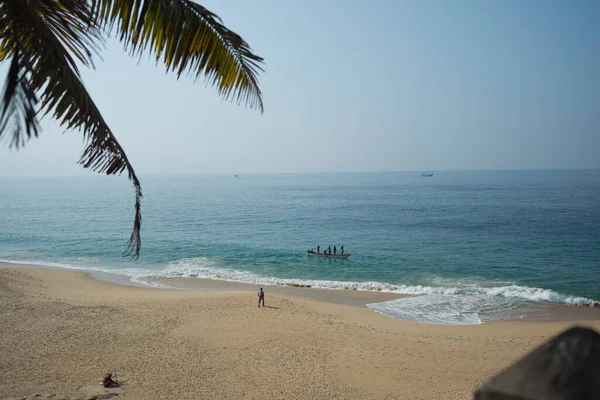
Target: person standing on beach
[(261, 297), (329, 249), (334, 250), (342, 249), (318, 249)]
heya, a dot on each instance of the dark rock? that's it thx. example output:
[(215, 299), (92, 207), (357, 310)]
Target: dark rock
[(566, 367)]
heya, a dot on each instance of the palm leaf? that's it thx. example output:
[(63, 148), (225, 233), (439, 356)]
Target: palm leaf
[(41, 64), (20, 103), (187, 38), (45, 39)]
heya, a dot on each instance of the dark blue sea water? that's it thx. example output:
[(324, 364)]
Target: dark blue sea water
[(477, 244)]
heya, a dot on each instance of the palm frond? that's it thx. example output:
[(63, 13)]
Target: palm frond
[(44, 40), (188, 38), (41, 64), (19, 104)]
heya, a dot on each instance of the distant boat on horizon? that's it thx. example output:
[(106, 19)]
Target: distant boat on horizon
[(426, 174), (236, 176)]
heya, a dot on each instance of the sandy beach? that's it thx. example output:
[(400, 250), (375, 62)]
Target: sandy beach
[(61, 331)]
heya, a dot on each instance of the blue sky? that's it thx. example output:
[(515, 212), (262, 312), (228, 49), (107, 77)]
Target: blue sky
[(361, 86)]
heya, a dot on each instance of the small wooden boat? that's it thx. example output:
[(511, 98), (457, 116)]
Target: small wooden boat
[(426, 174), (312, 253)]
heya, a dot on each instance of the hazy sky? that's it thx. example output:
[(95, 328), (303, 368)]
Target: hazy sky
[(361, 86)]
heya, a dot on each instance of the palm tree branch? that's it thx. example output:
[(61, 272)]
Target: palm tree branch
[(187, 38), (44, 40), (19, 105), (45, 66)]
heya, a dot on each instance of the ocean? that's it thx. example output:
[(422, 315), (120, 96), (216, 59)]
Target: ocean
[(475, 245)]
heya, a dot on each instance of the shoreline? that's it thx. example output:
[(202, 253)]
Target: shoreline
[(62, 330), (529, 311), (347, 297), (337, 296)]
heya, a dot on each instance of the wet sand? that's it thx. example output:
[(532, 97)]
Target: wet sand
[(533, 311), (350, 297)]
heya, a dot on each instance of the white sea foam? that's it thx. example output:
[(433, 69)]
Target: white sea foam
[(209, 269), (460, 301), (452, 309), (47, 264), (205, 268), (135, 275)]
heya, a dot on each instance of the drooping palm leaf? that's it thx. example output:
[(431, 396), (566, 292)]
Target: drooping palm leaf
[(38, 37), (43, 39), (19, 101)]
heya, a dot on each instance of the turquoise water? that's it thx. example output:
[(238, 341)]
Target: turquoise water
[(478, 244)]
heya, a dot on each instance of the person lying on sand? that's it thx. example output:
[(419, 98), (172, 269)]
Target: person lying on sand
[(108, 382)]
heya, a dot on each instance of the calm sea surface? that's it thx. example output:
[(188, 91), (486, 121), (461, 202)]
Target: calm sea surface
[(477, 244)]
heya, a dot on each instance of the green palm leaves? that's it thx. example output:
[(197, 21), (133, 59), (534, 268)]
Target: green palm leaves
[(44, 40)]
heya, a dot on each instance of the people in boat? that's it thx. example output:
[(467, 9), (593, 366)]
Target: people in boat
[(327, 251)]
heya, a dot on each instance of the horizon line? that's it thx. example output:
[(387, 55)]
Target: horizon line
[(305, 172)]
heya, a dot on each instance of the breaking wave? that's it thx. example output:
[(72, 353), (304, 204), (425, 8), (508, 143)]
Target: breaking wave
[(206, 268), (445, 301)]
